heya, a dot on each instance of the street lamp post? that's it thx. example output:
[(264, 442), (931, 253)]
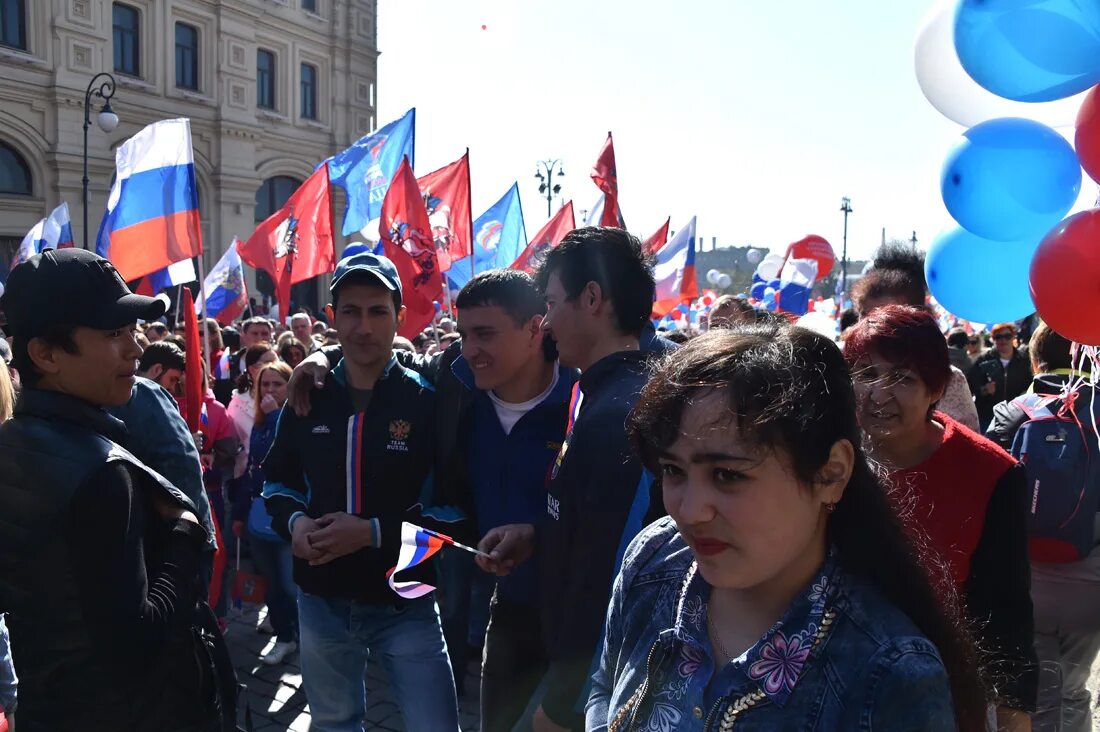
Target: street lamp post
[(107, 121), (544, 170), (846, 207), (913, 241)]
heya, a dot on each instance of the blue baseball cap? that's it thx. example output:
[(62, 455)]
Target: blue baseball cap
[(378, 267)]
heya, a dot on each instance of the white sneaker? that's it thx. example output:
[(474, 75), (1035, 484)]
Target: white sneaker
[(266, 627), (278, 653)]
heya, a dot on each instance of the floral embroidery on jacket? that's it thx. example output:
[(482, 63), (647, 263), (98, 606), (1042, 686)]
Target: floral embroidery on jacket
[(819, 590), (695, 611), (781, 662), (663, 718)]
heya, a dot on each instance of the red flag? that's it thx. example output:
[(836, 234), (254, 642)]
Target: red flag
[(606, 179), (446, 195), (407, 242), (295, 243), (660, 237), (194, 389), (547, 237)]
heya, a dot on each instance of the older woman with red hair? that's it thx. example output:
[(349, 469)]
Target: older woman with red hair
[(967, 493)]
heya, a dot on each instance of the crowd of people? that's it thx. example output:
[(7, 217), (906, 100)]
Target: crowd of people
[(677, 530)]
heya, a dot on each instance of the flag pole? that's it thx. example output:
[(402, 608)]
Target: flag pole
[(176, 316), (205, 316), (470, 216)]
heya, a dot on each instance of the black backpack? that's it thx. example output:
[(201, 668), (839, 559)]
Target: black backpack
[(195, 687)]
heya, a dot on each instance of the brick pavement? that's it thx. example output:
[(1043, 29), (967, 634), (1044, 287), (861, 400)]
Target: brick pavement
[(278, 702)]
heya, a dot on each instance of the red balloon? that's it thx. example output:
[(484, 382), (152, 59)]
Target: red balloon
[(814, 247), (1065, 278), (1087, 138), (676, 314)]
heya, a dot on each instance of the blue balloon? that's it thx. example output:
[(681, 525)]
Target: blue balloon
[(979, 279), (775, 284), (1030, 50), (1010, 179), (757, 291)]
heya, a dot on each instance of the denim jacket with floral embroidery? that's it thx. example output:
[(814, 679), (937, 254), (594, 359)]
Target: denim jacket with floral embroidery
[(841, 658)]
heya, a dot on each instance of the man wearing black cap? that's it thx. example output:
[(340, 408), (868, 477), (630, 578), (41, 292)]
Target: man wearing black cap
[(98, 554), (340, 481)]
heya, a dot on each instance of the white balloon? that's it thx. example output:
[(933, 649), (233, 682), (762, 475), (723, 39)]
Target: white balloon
[(957, 96), (819, 323), (754, 256), (868, 267), (724, 280), (769, 267), (712, 276)]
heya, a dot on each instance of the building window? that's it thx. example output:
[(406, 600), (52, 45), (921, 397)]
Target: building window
[(309, 5), (309, 91), (15, 174), (126, 39), (265, 79), (13, 23), (187, 56)]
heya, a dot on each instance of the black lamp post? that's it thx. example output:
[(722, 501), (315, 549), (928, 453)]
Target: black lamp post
[(102, 85), (544, 170), (846, 207)]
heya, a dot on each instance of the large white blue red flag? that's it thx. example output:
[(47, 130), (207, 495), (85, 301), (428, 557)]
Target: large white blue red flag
[(674, 272), (499, 237), (365, 169), (226, 293), (152, 219), (53, 232)]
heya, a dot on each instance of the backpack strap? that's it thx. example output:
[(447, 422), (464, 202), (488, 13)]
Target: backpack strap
[(1036, 406)]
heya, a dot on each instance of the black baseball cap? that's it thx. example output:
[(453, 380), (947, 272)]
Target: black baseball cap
[(72, 287), (379, 268)]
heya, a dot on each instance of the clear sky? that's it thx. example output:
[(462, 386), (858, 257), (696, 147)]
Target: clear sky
[(757, 116)]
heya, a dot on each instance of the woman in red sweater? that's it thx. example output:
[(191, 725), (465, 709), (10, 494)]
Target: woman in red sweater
[(968, 494)]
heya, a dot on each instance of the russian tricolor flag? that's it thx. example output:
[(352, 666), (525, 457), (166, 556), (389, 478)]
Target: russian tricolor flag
[(417, 546), (674, 272), (226, 293), (152, 219), (53, 232)]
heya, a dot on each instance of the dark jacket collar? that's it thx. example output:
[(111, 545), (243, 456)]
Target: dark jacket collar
[(612, 366), (55, 406)]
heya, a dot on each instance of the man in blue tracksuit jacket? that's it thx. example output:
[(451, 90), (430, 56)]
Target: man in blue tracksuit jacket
[(340, 482), (599, 294)]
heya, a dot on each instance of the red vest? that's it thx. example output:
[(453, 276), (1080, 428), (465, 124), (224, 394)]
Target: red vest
[(950, 492)]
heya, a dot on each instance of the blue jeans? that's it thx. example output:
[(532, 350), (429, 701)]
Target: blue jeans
[(273, 560), (337, 637)]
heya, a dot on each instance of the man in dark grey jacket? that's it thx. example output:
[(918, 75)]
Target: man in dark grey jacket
[(98, 554)]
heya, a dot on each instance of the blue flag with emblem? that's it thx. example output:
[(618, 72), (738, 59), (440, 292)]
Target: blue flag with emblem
[(365, 169), (499, 237)]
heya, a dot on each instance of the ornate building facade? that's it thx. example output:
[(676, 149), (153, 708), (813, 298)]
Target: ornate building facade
[(272, 87)]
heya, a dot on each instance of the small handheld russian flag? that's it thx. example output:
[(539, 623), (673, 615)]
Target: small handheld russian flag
[(417, 546)]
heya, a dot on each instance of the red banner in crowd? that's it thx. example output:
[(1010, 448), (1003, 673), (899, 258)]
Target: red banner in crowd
[(446, 195), (295, 244), (547, 238), (407, 241)]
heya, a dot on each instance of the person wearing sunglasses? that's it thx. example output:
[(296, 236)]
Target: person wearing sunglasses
[(1000, 374)]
